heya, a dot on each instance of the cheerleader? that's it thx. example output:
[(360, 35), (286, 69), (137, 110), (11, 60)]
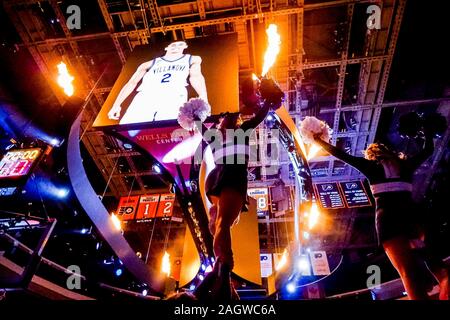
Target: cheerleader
[(226, 188), (390, 176)]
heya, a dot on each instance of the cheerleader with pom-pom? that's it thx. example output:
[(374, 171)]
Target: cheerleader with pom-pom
[(226, 185), (390, 176)]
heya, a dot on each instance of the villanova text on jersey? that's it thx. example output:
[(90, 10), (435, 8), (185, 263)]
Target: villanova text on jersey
[(162, 69)]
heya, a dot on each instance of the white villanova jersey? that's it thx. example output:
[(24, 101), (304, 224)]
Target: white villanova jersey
[(167, 75), (162, 91)]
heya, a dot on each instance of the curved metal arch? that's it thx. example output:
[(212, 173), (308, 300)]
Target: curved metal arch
[(101, 217)]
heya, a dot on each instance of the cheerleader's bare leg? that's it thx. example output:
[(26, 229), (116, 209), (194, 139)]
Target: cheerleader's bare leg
[(404, 260), (229, 207), (204, 290)]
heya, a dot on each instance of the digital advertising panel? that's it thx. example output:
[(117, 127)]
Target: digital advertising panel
[(15, 167)]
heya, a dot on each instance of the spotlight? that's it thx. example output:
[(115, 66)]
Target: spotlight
[(144, 292), (201, 277), (305, 235), (54, 142), (118, 272), (84, 230), (127, 146), (290, 287), (270, 121), (156, 168), (203, 267), (303, 264), (192, 287), (62, 193), (208, 269), (98, 245)]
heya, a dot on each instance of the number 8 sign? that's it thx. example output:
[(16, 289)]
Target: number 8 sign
[(261, 195), (165, 207)]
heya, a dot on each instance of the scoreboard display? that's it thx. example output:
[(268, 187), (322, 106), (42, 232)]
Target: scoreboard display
[(17, 164)]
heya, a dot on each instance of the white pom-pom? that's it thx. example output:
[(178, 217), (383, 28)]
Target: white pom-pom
[(311, 126), (193, 110)]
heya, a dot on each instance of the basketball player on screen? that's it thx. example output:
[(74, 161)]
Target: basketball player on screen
[(163, 88)]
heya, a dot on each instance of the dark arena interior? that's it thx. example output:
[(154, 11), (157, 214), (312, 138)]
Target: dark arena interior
[(111, 190)]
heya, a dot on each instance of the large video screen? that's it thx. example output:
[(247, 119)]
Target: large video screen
[(18, 163), (158, 79)]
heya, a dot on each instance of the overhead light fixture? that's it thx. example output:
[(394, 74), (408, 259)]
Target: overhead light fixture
[(54, 142), (290, 287), (62, 193), (127, 146), (156, 168), (303, 264)]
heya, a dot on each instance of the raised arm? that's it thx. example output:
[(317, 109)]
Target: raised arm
[(196, 78), (358, 163), (260, 115), (127, 89), (272, 96)]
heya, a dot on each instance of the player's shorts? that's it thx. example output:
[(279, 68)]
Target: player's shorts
[(154, 106)]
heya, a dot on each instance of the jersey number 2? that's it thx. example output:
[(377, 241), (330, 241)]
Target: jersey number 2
[(166, 78)]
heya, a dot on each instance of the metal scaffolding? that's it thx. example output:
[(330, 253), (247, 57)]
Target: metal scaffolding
[(302, 26)]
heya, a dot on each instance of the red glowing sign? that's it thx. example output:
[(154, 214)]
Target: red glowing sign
[(147, 207), (18, 163), (165, 208), (127, 207)]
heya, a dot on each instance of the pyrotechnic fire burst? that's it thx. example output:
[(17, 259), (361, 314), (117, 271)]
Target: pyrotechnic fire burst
[(165, 266), (65, 79), (273, 48)]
